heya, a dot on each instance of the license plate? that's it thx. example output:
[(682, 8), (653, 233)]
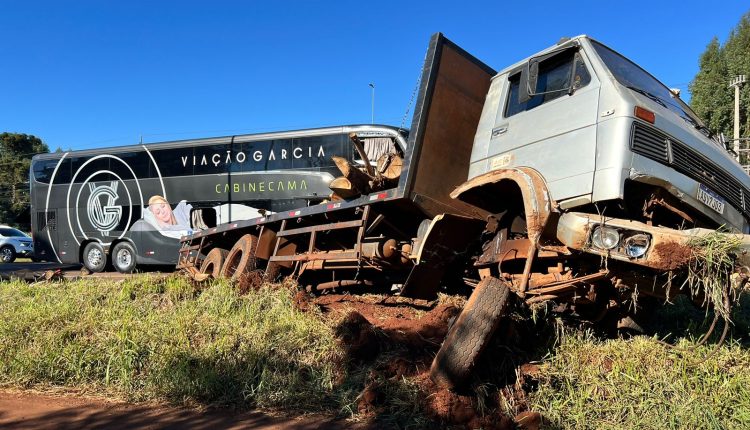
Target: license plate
[(710, 199)]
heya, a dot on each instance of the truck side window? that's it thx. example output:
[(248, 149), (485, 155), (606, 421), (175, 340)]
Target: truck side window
[(553, 82)]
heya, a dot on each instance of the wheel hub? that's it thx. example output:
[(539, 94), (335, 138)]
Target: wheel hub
[(124, 258), (95, 257)]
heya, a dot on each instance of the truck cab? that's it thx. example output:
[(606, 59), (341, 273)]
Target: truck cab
[(606, 135)]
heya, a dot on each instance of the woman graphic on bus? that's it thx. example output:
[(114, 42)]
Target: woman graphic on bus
[(161, 215)]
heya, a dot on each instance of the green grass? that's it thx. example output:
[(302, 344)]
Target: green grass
[(165, 340), (641, 384)]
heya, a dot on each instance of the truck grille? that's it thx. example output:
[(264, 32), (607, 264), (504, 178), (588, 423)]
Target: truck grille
[(660, 147)]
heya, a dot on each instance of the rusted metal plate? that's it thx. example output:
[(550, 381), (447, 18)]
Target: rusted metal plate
[(447, 239), (350, 255), (564, 285), (321, 227), (499, 250), (493, 190), (453, 88)]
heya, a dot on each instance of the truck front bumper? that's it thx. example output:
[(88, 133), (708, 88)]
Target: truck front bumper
[(634, 242)]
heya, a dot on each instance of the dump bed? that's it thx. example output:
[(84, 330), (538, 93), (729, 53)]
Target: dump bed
[(451, 96)]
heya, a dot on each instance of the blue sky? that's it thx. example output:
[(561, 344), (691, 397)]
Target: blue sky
[(89, 74)]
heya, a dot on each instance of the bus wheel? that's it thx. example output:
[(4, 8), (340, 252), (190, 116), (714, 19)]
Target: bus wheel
[(123, 257), (241, 259), (470, 333), (214, 262), (94, 258)]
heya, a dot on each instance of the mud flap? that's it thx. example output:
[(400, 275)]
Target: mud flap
[(447, 239)]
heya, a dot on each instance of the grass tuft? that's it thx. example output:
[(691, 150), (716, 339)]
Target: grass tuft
[(711, 268)]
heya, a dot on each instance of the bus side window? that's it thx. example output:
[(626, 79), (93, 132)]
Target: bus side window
[(173, 162), (43, 170), (89, 168), (137, 161)]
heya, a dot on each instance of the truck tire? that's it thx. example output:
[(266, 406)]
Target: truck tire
[(7, 254), (470, 333), (94, 257), (241, 258), (214, 262), (123, 257)]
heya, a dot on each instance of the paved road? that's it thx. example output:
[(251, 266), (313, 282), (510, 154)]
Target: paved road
[(32, 271)]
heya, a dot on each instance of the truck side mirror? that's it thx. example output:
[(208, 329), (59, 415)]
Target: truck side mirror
[(530, 73), (527, 83)]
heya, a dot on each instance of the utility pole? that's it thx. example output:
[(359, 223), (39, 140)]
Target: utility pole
[(737, 83)]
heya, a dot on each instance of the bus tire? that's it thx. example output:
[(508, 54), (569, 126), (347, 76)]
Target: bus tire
[(94, 257), (214, 262), (470, 334), (123, 257), (240, 260)]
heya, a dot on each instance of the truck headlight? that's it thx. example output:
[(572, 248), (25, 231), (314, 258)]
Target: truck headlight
[(605, 237), (636, 245)]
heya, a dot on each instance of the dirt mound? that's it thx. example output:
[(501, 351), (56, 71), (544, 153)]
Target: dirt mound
[(358, 337), (394, 340)]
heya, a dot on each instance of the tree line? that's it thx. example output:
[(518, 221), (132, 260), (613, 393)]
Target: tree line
[(712, 98), (16, 150)]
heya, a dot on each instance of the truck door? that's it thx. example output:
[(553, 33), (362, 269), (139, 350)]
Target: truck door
[(554, 132)]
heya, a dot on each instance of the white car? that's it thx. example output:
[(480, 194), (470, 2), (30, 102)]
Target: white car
[(14, 243)]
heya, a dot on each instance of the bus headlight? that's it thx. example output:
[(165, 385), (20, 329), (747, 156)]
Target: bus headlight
[(636, 245), (605, 237)]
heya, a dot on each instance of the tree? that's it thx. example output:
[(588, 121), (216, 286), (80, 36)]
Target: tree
[(712, 99), (16, 151)]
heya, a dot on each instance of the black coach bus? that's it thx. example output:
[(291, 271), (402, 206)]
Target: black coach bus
[(130, 205)]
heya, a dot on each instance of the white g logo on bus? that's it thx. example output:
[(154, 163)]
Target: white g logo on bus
[(104, 215)]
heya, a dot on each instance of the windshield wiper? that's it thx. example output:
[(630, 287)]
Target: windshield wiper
[(698, 126), (653, 97)]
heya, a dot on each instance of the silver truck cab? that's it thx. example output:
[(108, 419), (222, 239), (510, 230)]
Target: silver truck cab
[(596, 124)]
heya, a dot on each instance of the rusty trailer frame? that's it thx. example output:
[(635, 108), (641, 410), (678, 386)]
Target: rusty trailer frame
[(360, 237)]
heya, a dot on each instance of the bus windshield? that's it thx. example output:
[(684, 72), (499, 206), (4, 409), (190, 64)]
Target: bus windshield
[(636, 79)]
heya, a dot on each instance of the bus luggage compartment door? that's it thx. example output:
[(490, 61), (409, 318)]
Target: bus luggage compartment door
[(45, 234)]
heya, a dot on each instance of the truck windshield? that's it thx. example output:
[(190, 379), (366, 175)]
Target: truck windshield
[(635, 78)]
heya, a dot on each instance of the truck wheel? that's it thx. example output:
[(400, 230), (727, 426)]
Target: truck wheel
[(123, 257), (470, 333), (214, 262), (7, 254), (94, 258), (241, 258)]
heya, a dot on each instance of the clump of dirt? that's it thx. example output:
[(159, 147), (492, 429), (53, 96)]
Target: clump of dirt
[(452, 408), (250, 281), (672, 255), (394, 342), (302, 301), (358, 337)]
